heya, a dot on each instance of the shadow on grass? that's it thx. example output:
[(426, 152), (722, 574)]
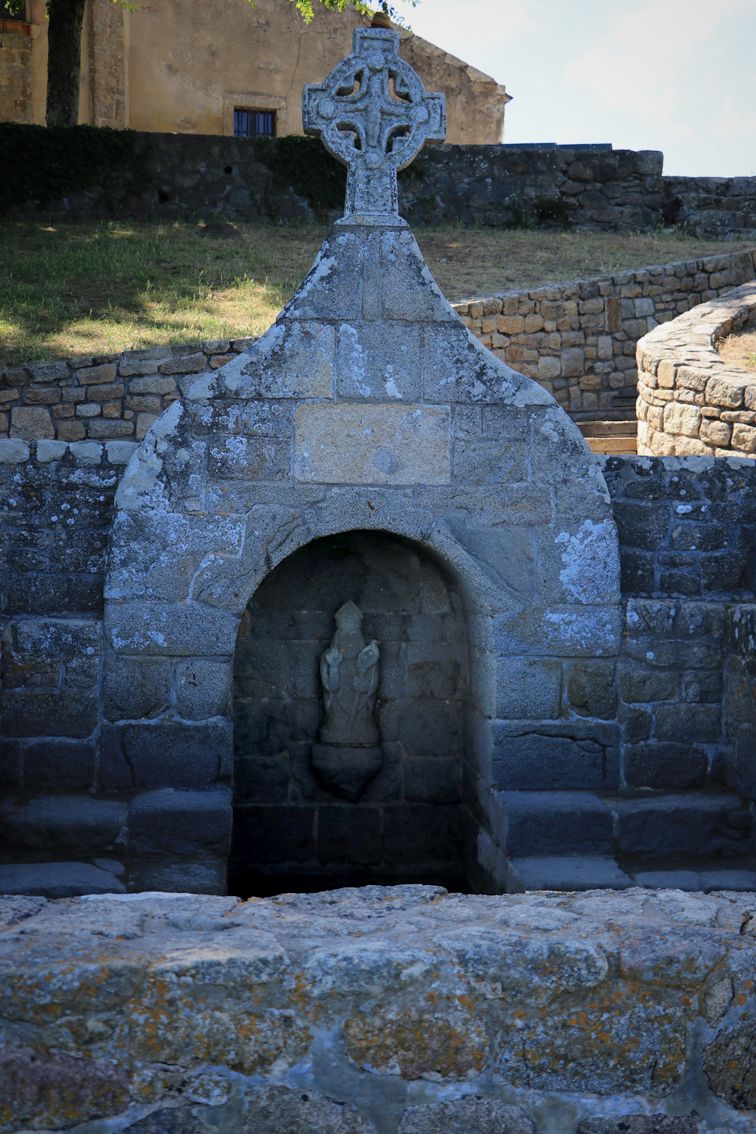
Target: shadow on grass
[(68, 288)]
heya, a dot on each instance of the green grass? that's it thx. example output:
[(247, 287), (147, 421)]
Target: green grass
[(70, 289)]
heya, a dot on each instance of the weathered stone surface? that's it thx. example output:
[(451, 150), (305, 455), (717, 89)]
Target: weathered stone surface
[(58, 879), (347, 443), (255, 1016), (640, 1124), (730, 1064), (463, 1116)]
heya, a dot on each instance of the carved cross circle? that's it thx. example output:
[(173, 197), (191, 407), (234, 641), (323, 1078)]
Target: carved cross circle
[(373, 114)]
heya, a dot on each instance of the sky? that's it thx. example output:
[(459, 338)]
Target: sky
[(671, 75)]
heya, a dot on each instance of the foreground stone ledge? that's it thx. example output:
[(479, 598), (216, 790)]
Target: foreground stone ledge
[(379, 1010)]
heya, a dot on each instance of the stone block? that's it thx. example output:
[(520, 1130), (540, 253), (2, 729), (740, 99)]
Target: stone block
[(432, 779), (27, 712), (50, 451), (58, 880), (344, 443), (274, 1109), (53, 822), (465, 1116), (203, 688), (293, 360), (695, 825), (490, 462), (179, 824), (13, 451), (184, 364), (556, 822), (136, 688), (528, 688), (642, 525), (539, 759), (695, 724), (424, 728), (641, 1124), (591, 689), (664, 765), (97, 375), (31, 423), (730, 1064), (175, 630), (59, 765), (421, 833), (180, 876), (560, 872), (379, 361), (250, 458), (166, 753), (571, 631), (639, 686)]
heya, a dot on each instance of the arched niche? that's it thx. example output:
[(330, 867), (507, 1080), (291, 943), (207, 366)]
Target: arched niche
[(414, 819)]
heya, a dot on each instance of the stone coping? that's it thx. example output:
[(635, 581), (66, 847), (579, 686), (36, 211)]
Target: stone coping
[(401, 1010), (692, 401)]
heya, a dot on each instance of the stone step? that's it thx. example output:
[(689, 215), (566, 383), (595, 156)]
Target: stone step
[(613, 445), (566, 872), (588, 872), (644, 826), (556, 823), (608, 428), (58, 879), (696, 824), (82, 824)]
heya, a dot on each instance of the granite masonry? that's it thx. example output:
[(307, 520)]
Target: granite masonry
[(551, 699), (690, 399), (399, 1010)]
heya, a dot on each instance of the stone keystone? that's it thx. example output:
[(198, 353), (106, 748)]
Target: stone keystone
[(373, 114)]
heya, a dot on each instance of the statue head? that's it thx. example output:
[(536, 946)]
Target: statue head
[(348, 637)]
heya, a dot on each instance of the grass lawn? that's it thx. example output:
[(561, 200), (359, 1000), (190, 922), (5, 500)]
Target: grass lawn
[(80, 288)]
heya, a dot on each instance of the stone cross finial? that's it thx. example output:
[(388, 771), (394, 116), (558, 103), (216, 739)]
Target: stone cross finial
[(373, 114)]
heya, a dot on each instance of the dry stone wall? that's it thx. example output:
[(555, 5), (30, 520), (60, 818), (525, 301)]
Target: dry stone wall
[(690, 399), (577, 339), (403, 1010)]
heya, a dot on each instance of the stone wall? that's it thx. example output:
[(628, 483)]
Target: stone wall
[(577, 339), (690, 399), (380, 1011), (687, 540), (711, 206), (15, 71), (195, 175), (578, 187)]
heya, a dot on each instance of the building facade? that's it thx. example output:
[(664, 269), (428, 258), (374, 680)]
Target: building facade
[(219, 68)]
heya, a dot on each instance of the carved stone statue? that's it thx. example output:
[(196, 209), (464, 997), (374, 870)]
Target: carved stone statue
[(348, 753)]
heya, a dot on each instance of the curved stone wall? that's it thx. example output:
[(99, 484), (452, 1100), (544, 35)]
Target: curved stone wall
[(691, 401)]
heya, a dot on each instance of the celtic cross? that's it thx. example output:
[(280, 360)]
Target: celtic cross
[(373, 114)]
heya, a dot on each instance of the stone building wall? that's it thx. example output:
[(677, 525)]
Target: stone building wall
[(690, 399), (15, 71), (577, 339), (679, 691), (711, 206)]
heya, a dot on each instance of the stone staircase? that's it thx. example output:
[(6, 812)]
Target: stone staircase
[(581, 840), (611, 437)]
